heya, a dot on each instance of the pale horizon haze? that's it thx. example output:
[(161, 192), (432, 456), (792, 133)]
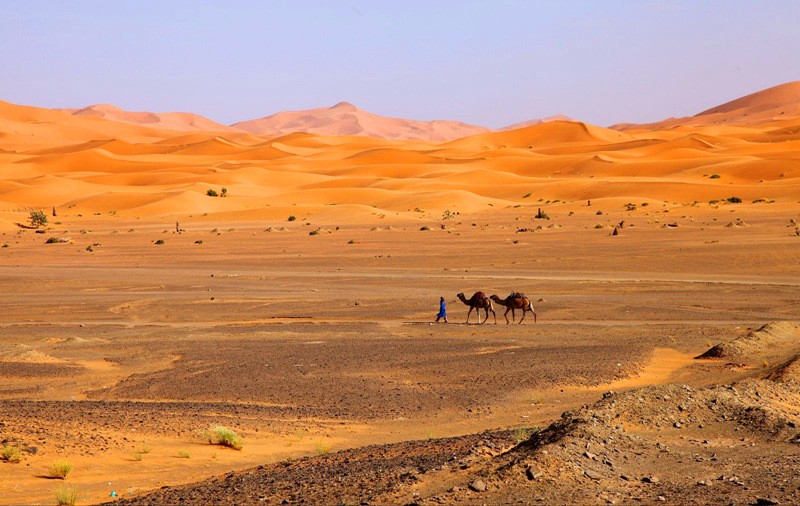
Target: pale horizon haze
[(485, 63)]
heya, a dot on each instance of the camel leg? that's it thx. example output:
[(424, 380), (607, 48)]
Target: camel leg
[(506, 314), (469, 313), (523, 315), (513, 315), (490, 308), (478, 312), (487, 315)]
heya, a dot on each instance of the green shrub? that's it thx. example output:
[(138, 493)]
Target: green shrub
[(183, 454), (291, 217), (714, 176), (212, 193), (734, 200), (60, 469), (160, 241), (541, 215), (224, 192), (220, 435), (38, 219), (314, 232)]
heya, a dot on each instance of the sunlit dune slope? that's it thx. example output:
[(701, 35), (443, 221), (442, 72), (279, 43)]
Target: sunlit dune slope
[(88, 164), (179, 121)]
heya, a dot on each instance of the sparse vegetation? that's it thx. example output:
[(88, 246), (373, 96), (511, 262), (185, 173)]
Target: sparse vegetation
[(212, 193), (714, 176), (137, 456), (630, 206), (424, 227), (11, 454), (599, 225), (322, 448), (734, 200), (60, 469), (223, 192), (541, 215), (66, 495), (5, 245), (183, 454), (314, 232), (54, 240), (160, 241), (524, 433), (145, 448), (291, 217), (199, 241), (527, 195), (712, 202), (89, 248), (38, 219), (223, 436), (351, 241)]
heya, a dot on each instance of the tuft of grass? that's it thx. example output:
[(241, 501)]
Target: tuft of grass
[(66, 495), (223, 436), (322, 448), (11, 454), (291, 217), (183, 454), (137, 456), (160, 241), (314, 232), (145, 448), (60, 469)]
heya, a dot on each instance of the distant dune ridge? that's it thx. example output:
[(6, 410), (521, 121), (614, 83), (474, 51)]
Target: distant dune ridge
[(346, 119), (103, 158), (772, 104)]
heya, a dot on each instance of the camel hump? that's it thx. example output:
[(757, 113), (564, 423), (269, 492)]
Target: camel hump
[(517, 295), (477, 296)]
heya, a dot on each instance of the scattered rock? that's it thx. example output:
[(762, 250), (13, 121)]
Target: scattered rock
[(592, 475), (478, 486), (533, 473), (650, 479)]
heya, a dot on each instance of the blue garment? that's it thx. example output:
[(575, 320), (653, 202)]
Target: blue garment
[(442, 310)]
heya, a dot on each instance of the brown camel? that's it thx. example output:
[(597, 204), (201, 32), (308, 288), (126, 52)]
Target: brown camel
[(515, 301), (477, 302)]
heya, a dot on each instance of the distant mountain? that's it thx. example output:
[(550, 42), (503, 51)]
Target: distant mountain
[(180, 121), (776, 103), (346, 119), (536, 121)]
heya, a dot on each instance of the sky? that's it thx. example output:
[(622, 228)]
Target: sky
[(490, 63)]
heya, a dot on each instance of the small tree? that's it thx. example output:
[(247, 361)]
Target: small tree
[(212, 193), (224, 192), (38, 219)]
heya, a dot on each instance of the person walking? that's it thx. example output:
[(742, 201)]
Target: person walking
[(442, 311)]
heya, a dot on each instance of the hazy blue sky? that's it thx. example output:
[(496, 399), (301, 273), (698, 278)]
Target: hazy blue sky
[(490, 63)]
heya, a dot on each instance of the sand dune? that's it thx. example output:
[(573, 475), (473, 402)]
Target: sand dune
[(54, 158), (537, 121), (346, 119), (179, 121)]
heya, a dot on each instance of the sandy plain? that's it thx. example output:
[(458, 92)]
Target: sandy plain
[(314, 335)]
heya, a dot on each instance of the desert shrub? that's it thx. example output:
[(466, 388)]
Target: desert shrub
[(199, 241), (756, 201), (322, 448), (220, 435), (5, 245), (541, 215), (424, 227), (145, 448), (38, 219), (712, 202), (524, 433), (52, 240), (60, 469), (351, 241), (89, 248), (734, 200), (160, 242), (137, 456), (10, 454), (66, 495), (291, 217), (630, 206), (314, 232), (183, 454), (212, 193), (223, 192), (714, 176), (527, 195), (599, 225), (645, 204)]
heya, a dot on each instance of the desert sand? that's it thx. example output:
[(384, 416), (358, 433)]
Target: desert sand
[(296, 307)]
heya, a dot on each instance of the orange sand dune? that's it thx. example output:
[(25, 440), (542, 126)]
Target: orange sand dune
[(88, 164)]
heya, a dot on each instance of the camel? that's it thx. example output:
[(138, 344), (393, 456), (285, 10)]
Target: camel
[(515, 301), (477, 302)]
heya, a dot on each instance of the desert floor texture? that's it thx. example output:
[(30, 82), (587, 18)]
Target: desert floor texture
[(297, 309)]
